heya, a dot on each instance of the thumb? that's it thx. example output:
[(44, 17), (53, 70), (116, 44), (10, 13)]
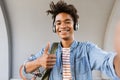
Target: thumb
[(47, 48)]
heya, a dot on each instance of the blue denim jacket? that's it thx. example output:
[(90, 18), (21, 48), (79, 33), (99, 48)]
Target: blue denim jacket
[(84, 57)]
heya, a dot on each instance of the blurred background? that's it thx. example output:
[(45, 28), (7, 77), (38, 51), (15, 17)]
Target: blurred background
[(25, 28)]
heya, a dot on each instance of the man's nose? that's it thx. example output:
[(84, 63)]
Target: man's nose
[(63, 24)]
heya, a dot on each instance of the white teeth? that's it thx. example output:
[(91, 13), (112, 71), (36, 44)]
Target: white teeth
[(64, 30)]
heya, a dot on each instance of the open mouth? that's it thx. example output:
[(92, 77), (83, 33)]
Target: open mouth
[(64, 30)]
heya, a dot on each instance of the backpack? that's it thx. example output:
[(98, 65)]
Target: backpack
[(37, 75)]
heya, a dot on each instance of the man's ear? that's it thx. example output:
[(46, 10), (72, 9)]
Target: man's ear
[(54, 28), (76, 26)]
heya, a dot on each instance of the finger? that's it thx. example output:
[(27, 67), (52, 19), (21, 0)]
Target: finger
[(53, 56), (47, 48), (50, 65), (51, 60), (47, 66)]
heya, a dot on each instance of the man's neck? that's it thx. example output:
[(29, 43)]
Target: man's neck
[(66, 43)]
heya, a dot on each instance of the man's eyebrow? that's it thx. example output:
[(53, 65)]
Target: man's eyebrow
[(68, 20), (57, 21)]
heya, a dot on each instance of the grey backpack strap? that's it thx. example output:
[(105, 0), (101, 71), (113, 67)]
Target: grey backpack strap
[(52, 51), (53, 48)]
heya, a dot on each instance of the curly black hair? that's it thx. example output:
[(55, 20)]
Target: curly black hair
[(60, 7)]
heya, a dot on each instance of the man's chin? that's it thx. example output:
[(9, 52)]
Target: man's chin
[(65, 38)]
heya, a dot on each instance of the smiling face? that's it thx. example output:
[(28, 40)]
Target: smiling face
[(64, 26)]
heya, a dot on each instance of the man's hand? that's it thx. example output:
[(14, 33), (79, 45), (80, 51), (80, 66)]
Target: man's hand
[(47, 60)]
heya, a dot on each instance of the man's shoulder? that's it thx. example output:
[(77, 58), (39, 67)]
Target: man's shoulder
[(86, 43)]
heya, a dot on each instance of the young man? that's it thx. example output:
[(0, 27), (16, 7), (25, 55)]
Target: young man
[(73, 60)]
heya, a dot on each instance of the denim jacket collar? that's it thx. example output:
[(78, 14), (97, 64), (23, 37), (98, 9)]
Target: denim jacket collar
[(73, 45)]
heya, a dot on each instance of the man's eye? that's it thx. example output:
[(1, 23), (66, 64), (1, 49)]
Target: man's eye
[(58, 23), (68, 22)]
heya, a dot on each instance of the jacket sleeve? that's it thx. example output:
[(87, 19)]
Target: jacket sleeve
[(102, 61), (31, 58)]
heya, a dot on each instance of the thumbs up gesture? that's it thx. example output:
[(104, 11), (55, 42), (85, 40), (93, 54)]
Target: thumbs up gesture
[(47, 60)]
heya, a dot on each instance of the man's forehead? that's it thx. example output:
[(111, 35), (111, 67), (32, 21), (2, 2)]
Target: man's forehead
[(63, 16), (59, 20)]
